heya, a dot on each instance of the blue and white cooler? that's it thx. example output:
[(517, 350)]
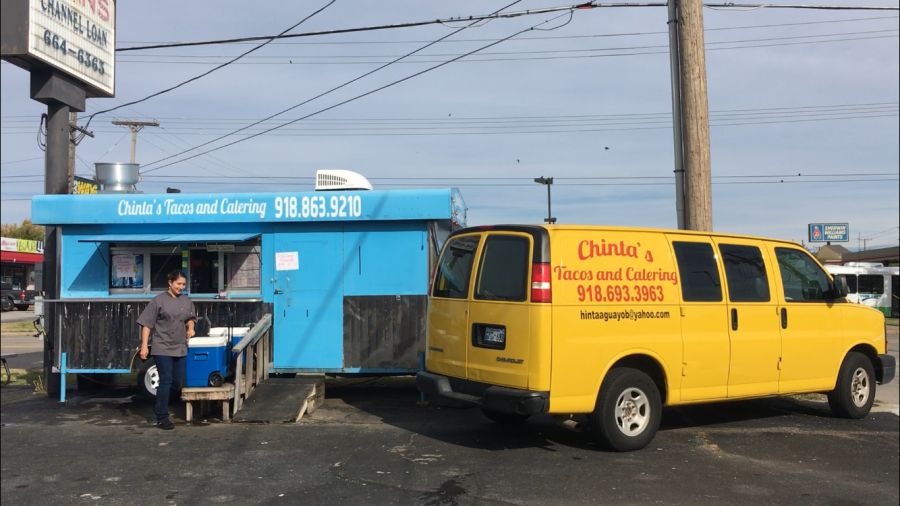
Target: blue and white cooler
[(209, 359)]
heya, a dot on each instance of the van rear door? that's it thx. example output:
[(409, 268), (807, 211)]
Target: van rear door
[(448, 332), (500, 323)]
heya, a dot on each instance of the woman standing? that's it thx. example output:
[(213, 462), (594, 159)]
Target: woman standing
[(169, 320)]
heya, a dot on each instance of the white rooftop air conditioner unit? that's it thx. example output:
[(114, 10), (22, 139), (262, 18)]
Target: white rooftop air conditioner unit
[(340, 180)]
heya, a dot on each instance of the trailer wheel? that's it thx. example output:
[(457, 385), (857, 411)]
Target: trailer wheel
[(148, 379)]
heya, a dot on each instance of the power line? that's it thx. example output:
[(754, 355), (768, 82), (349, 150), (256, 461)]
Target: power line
[(280, 179), (558, 37), (25, 160), (329, 91), (364, 94), (530, 12), (210, 71), (665, 115), (442, 55), (481, 60)]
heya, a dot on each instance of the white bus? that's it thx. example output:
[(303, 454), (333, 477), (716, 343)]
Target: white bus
[(871, 284)]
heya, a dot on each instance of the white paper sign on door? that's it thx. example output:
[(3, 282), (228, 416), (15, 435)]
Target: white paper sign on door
[(287, 261)]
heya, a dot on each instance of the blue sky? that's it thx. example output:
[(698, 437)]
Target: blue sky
[(821, 96)]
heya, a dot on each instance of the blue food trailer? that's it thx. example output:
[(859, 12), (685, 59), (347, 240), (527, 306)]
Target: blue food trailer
[(345, 274)]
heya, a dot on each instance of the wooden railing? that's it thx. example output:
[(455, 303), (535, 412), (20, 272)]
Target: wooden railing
[(254, 354)]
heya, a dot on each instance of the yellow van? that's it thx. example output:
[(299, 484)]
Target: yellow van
[(619, 322)]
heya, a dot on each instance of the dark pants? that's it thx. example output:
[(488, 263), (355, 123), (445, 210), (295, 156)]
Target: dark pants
[(171, 375)]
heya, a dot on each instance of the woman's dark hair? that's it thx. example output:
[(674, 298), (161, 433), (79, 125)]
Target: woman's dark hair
[(176, 274)]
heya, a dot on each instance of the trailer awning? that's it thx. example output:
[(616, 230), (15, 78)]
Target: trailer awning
[(224, 237), (125, 238), (169, 238)]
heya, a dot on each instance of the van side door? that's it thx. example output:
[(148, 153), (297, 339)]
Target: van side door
[(500, 329), (810, 320), (753, 318), (448, 309), (704, 319)]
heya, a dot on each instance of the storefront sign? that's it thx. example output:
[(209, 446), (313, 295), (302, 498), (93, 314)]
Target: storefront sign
[(22, 245), (84, 186), (829, 232), (250, 207)]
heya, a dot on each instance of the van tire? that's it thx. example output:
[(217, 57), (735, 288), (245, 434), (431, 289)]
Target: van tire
[(505, 418), (854, 392), (628, 410)]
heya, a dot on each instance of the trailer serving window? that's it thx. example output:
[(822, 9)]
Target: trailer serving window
[(216, 263), (141, 268), (229, 268)]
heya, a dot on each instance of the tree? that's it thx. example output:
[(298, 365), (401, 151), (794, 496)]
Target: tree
[(26, 230)]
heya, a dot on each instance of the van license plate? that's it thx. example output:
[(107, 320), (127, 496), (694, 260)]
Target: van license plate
[(495, 335)]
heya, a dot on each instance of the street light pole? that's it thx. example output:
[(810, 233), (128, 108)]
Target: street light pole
[(547, 181)]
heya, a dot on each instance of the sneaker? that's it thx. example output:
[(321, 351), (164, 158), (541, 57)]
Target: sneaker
[(165, 424)]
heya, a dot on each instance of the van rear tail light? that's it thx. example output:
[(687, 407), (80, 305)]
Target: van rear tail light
[(540, 283), (23, 295)]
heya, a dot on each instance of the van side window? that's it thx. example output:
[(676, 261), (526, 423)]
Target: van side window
[(801, 276), (699, 272), (455, 268), (872, 284), (503, 270), (851, 281), (745, 273)]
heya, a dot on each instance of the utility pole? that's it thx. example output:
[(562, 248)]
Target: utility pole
[(675, 71), (73, 120), (695, 116), (135, 127)]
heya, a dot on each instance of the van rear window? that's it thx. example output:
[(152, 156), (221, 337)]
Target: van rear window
[(503, 270), (698, 271), (455, 268)]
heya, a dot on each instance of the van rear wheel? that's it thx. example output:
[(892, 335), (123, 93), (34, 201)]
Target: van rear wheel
[(505, 418), (628, 410), (854, 393)]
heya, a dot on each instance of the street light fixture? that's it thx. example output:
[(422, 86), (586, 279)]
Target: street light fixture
[(547, 181)]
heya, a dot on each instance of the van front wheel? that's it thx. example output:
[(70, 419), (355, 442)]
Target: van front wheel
[(628, 410), (854, 393)]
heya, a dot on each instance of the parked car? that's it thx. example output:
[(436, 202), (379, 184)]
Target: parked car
[(20, 299), (6, 304)]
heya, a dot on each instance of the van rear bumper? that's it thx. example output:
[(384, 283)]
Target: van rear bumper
[(488, 397), (885, 369)]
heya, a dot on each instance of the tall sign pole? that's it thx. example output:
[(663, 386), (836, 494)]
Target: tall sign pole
[(68, 46), (695, 116)]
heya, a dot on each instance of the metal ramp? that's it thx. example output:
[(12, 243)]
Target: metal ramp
[(282, 400)]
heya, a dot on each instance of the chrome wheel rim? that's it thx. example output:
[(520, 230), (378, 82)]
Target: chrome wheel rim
[(860, 387), (632, 412), (151, 380)]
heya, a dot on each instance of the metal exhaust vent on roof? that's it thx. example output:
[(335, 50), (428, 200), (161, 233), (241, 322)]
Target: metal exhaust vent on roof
[(340, 180)]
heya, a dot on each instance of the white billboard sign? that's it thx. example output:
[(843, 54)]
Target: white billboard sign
[(77, 37)]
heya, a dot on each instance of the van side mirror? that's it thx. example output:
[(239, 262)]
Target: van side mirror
[(840, 287)]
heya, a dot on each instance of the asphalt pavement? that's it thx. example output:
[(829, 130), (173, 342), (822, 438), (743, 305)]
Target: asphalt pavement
[(371, 445)]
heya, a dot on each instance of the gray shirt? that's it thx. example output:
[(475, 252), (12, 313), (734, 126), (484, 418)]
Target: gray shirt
[(167, 318)]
